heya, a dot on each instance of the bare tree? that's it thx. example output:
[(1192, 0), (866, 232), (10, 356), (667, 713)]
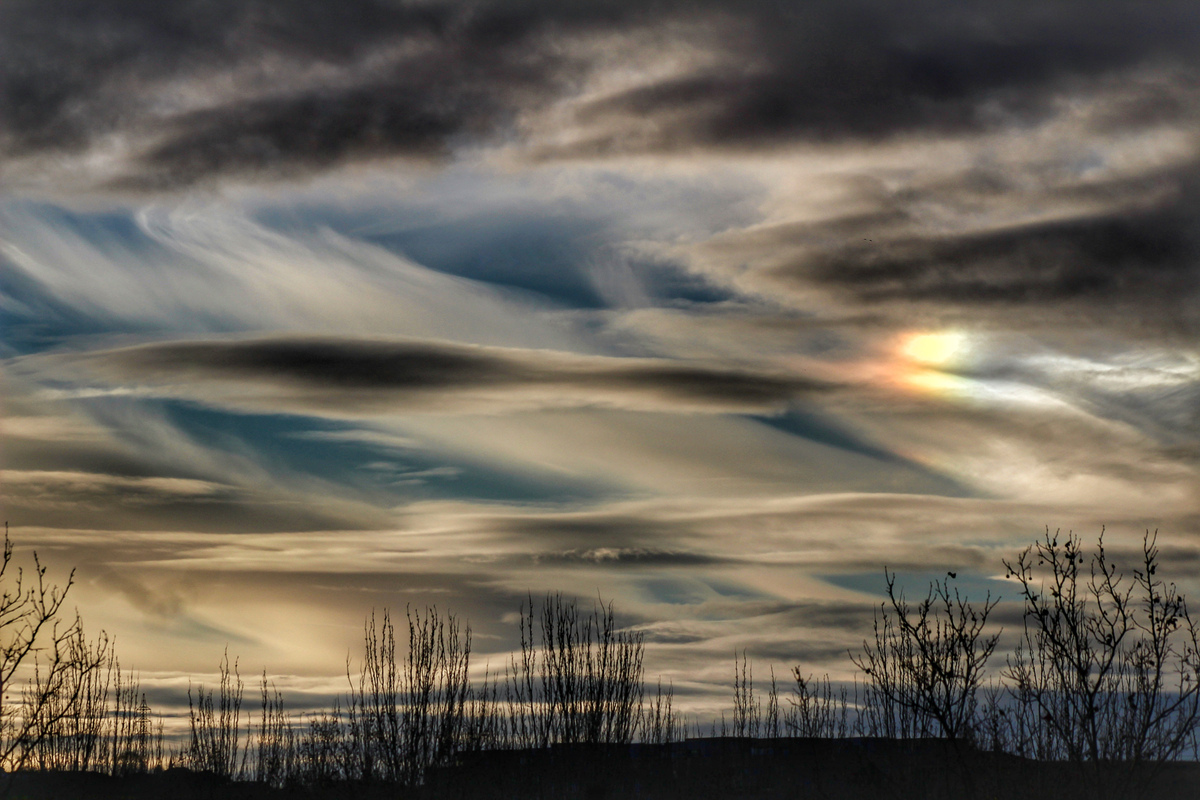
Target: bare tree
[(747, 709), (437, 686), (409, 714), (276, 741), (1111, 664), (583, 685), (64, 711), (216, 725), (817, 708), (927, 664), (889, 707), (930, 660), (35, 642)]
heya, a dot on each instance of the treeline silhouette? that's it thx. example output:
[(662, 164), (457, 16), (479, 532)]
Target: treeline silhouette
[(1099, 696)]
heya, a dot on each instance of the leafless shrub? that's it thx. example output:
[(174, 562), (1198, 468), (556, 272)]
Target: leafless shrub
[(275, 742), (216, 724), (1111, 664), (773, 722), (89, 715), (64, 711), (660, 724), (319, 758), (582, 685), (529, 722), (486, 725), (747, 709), (888, 707), (133, 741), (33, 637), (817, 708), (407, 716), (927, 663)]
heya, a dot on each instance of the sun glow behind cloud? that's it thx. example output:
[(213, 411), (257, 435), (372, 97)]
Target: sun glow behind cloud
[(940, 365), (935, 349), (955, 365), (922, 359)]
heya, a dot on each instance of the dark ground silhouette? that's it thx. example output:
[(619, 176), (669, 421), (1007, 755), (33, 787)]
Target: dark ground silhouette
[(845, 769)]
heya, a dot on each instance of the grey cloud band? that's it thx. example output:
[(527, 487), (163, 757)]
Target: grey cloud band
[(202, 89), (365, 375)]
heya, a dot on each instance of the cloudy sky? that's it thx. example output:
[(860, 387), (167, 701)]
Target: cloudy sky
[(712, 309)]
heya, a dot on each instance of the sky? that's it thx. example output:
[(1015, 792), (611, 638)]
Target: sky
[(712, 310)]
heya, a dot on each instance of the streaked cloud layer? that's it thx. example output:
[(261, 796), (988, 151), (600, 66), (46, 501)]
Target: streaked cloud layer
[(715, 309), (342, 376)]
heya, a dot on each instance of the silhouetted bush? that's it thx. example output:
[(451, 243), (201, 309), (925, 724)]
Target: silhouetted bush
[(215, 725), (275, 745), (32, 637), (1108, 669), (406, 716), (818, 708), (925, 667), (580, 683), (66, 714)]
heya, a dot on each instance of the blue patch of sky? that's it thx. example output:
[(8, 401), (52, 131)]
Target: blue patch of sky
[(674, 285), (506, 235), (545, 254), (542, 255), (674, 591), (817, 427), (544, 239), (33, 319), (285, 444), (822, 429), (692, 590), (116, 227)]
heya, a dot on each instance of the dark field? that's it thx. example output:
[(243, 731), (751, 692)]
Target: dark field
[(873, 769)]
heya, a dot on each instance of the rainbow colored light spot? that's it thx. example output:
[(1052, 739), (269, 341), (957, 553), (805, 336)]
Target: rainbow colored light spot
[(935, 349), (923, 358)]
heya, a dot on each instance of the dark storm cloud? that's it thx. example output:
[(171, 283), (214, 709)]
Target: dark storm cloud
[(1125, 251), (1107, 257), (69, 56), (589, 533), (300, 85), (365, 374), (211, 87), (311, 130), (621, 557), (78, 70), (826, 72)]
